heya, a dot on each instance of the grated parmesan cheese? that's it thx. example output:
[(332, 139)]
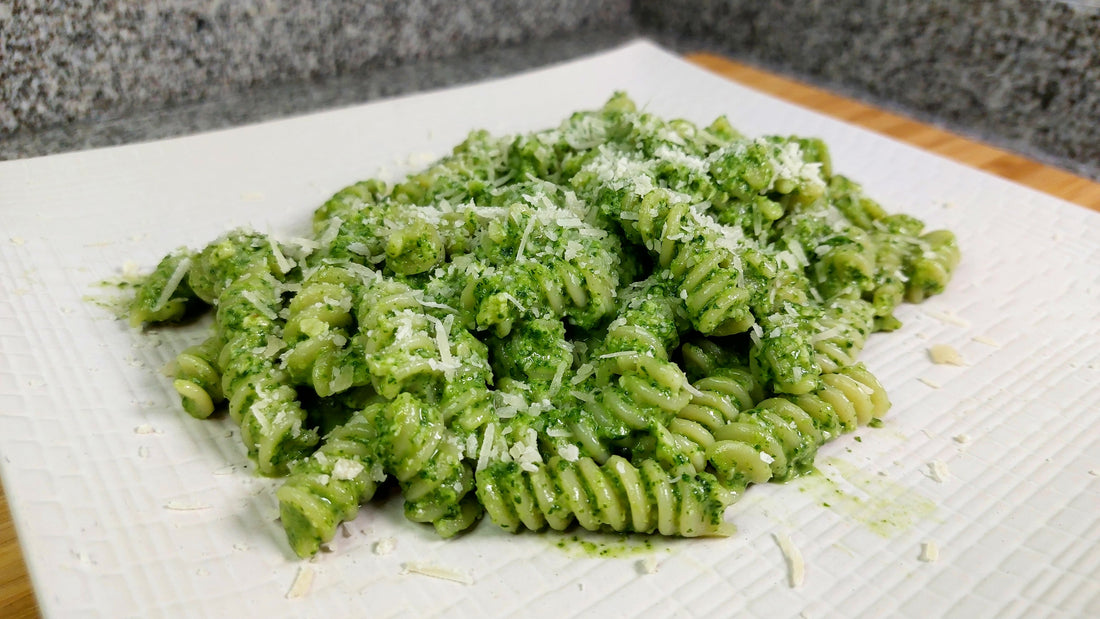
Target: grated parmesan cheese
[(486, 446), (569, 453), (385, 546), (436, 571), (513, 301), (280, 260), (947, 318), (130, 271), (260, 307), (929, 552), (345, 469), (183, 506), (938, 471), (583, 397), (988, 341), (648, 565), (931, 383), (145, 429), (172, 284), (796, 567), (442, 342), (559, 374), (302, 583), (962, 439), (690, 388), (523, 240), (583, 372), (943, 354)]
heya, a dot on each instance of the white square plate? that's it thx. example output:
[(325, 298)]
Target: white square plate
[(97, 498)]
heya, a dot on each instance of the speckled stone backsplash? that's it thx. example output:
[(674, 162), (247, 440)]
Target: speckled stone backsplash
[(62, 60), (1023, 74)]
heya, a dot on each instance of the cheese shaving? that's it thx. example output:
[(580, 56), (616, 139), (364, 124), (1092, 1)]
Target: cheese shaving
[(583, 372), (583, 397), (345, 469), (938, 471), (183, 506), (796, 567), (929, 552), (690, 388), (486, 446), (385, 546), (436, 571), (280, 260), (359, 248), (559, 374), (172, 284), (523, 241), (302, 583), (266, 311), (569, 453), (943, 354), (947, 318), (443, 343)]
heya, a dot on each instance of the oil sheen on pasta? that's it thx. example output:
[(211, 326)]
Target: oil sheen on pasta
[(619, 323)]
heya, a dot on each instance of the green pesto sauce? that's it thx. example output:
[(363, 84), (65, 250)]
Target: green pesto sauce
[(885, 507), (585, 544), (114, 295)]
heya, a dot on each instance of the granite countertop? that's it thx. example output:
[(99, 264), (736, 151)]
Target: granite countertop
[(1019, 74), (280, 100)]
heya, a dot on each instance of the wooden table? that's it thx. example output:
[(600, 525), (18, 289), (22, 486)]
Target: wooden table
[(16, 598)]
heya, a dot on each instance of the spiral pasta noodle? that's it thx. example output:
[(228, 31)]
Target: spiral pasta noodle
[(616, 496), (542, 261), (424, 457), (165, 295), (930, 271), (327, 488), (317, 331), (197, 378), (779, 437), (637, 386), (398, 339), (718, 400), (262, 398)]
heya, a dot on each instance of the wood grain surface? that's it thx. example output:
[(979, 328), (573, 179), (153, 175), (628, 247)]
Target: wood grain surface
[(16, 597)]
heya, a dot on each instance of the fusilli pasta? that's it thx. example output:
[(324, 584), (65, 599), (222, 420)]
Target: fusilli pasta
[(621, 322)]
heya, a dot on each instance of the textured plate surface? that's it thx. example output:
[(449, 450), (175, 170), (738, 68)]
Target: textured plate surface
[(119, 520)]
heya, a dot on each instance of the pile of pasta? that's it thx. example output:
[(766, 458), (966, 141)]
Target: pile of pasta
[(621, 322)]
